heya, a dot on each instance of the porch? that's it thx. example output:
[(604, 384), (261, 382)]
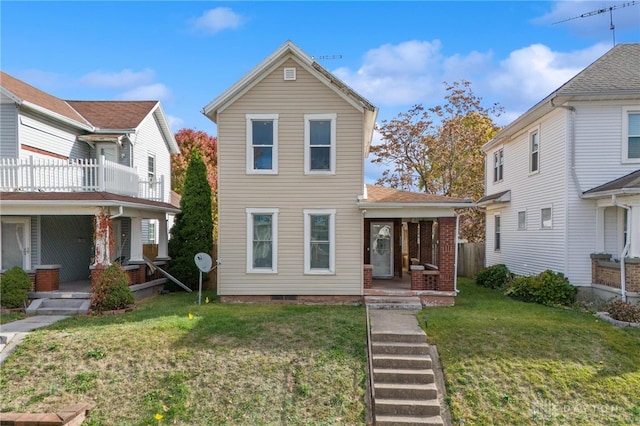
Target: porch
[(77, 175), (616, 279)]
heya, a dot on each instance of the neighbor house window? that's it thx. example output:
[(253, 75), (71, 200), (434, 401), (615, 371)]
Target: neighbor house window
[(497, 232), (319, 241), (522, 220), (498, 165), (262, 143), (534, 149), (320, 143), (632, 136), (151, 168), (262, 240), (545, 218)]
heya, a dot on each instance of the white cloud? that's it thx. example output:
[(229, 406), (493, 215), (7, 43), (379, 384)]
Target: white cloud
[(120, 79), (175, 122), (218, 19), (531, 73), (157, 91)]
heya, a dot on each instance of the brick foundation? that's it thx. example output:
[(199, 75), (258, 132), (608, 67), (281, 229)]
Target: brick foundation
[(47, 278), (293, 300)]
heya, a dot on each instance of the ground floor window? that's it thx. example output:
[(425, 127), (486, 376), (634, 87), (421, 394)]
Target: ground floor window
[(497, 232), (319, 241), (262, 240)]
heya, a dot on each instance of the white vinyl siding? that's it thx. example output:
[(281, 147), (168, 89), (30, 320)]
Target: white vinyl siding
[(320, 143), (50, 137), (262, 143), (8, 130), (291, 190), (262, 240), (146, 145)]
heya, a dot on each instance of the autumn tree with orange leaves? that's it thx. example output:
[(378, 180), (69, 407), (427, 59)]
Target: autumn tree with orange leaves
[(190, 141), (438, 150)]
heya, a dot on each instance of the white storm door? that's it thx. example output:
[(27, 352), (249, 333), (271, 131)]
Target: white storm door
[(15, 234), (382, 249)]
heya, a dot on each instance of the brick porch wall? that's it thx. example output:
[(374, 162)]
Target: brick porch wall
[(447, 252), (607, 273)]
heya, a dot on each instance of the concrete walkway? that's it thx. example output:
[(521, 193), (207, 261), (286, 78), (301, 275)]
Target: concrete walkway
[(11, 334), (394, 321)]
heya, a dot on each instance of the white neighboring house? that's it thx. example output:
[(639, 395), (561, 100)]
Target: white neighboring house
[(63, 163), (563, 181)]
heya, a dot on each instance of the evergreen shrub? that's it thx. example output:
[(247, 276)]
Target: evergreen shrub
[(14, 287), (111, 290)]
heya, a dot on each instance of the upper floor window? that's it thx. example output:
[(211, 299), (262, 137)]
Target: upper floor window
[(262, 143), (498, 165), (546, 220), (319, 241), (534, 151), (320, 143), (151, 168), (262, 240), (631, 142)]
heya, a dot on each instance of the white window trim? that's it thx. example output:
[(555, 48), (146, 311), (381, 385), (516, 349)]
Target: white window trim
[(274, 155), (541, 218), (332, 242), (274, 240), (625, 134), (524, 228), (498, 165), (152, 174), (499, 217), (307, 143), (536, 130)]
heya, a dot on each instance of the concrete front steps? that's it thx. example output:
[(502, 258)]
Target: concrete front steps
[(405, 392), (59, 303)]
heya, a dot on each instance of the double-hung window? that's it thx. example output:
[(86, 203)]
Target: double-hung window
[(546, 219), (262, 240), (498, 165), (631, 142), (319, 241), (534, 151), (151, 168), (320, 143), (262, 143), (522, 220)]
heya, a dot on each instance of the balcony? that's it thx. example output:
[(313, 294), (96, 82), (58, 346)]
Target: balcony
[(77, 175)]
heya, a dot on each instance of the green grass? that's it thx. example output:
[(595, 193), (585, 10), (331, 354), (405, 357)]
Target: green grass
[(512, 363), (242, 364), (9, 316)]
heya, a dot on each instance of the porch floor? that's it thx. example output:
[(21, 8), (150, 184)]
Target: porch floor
[(391, 287)]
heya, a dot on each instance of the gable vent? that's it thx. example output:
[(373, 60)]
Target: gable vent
[(289, 73)]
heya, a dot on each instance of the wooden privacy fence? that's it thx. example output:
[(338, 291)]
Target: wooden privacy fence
[(470, 259)]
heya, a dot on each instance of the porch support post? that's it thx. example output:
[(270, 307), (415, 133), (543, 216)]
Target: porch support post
[(426, 241), (103, 239), (163, 239), (136, 240), (634, 231), (413, 241), (447, 252), (600, 230)]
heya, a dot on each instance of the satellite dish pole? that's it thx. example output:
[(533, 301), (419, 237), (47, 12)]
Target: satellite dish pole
[(603, 10)]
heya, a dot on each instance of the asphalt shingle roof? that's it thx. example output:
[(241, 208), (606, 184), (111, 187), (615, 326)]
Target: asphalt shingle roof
[(381, 194)]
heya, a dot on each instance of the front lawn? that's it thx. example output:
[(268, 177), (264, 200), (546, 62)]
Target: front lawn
[(513, 363), (243, 364)]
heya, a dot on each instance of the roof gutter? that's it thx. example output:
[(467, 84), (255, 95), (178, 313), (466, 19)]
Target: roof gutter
[(57, 116), (572, 143)]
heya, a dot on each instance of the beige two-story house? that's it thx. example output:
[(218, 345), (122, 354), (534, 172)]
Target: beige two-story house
[(295, 219)]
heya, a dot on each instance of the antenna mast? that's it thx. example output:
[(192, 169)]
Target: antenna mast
[(603, 10)]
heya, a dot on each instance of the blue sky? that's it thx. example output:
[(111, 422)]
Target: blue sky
[(396, 54)]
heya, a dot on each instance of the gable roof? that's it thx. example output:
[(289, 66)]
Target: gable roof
[(381, 195), (290, 50), (91, 116), (628, 184), (613, 76)]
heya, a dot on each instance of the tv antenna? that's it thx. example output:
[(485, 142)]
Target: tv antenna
[(609, 9)]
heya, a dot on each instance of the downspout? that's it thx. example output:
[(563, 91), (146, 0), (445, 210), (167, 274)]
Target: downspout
[(625, 250), (455, 258), (120, 212)]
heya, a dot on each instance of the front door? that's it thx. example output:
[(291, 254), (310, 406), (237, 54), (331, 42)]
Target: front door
[(16, 238), (382, 249)]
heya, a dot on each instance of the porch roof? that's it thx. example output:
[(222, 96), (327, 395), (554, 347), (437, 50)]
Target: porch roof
[(498, 197), (625, 185), (53, 200)]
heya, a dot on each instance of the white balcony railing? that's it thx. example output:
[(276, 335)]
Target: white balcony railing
[(76, 175)]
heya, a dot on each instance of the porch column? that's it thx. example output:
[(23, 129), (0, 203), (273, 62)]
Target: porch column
[(103, 239), (447, 252), (163, 239), (413, 240), (634, 232), (599, 230), (426, 241), (136, 240)]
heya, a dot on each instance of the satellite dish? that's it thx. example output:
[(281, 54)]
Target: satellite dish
[(203, 262)]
